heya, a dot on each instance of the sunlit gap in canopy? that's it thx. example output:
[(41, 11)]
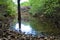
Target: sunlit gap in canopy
[(21, 1)]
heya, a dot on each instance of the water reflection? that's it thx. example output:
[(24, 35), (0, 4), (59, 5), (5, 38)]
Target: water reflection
[(25, 28)]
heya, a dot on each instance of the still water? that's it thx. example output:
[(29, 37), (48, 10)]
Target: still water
[(25, 28), (36, 27)]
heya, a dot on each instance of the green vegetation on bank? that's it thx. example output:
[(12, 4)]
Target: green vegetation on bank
[(8, 13), (47, 7), (10, 7), (46, 15)]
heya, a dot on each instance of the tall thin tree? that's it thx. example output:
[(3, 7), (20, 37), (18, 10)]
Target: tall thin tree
[(19, 15)]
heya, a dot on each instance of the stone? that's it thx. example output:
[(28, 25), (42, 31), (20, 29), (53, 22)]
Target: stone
[(1, 33)]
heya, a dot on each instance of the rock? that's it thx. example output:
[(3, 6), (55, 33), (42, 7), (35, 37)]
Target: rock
[(1, 33), (45, 37)]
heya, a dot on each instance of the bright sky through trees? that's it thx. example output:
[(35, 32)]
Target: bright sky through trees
[(15, 1)]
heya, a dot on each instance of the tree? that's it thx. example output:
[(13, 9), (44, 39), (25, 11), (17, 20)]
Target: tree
[(19, 15)]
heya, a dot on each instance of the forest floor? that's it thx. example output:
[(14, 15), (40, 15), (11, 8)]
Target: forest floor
[(13, 35)]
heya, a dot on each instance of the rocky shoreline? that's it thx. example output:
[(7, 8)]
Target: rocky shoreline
[(13, 35)]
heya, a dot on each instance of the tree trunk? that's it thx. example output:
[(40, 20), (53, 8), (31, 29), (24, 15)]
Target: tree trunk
[(19, 15)]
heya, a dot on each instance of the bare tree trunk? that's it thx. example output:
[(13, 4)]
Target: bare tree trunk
[(19, 15)]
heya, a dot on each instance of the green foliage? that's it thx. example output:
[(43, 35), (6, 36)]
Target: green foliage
[(8, 12), (50, 20), (25, 4), (44, 6), (8, 6)]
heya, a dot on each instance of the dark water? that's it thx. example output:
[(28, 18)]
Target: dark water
[(27, 29), (35, 26)]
